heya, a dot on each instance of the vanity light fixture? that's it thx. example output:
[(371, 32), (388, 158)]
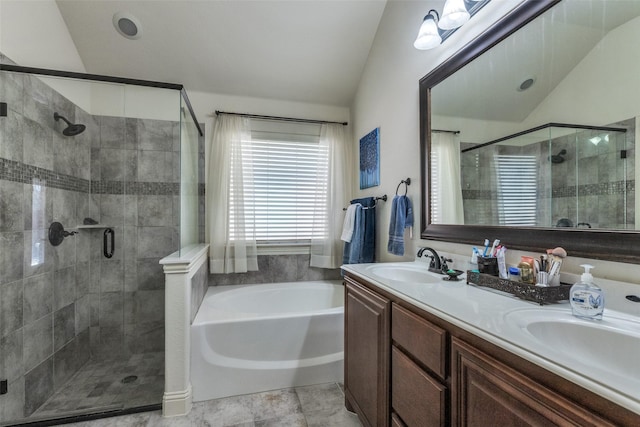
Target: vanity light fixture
[(435, 29), (428, 34)]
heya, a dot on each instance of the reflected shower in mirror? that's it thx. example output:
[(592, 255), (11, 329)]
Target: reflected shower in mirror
[(518, 181)]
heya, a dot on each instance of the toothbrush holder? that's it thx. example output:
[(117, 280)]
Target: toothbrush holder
[(488, 265)]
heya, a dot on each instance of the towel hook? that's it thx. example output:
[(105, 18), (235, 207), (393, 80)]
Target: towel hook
[(407, 183)]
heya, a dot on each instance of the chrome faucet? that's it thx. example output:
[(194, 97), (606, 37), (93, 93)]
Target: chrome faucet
[(434, 265)]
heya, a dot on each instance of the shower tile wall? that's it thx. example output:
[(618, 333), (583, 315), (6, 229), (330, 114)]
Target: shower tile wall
[(61, 305), (134, 188), (604, 181)]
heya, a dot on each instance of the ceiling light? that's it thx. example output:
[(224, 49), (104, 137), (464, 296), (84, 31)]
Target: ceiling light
[(526, 84), (595, 140), (428, 34), (454, 14), (127, 25)]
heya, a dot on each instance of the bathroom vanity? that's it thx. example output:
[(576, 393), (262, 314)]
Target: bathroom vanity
[(446, 353)]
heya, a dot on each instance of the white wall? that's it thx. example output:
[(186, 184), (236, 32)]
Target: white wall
[(33, 34), (388, 97)]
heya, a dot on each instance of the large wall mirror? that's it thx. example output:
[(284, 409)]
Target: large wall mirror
[(528, 133)]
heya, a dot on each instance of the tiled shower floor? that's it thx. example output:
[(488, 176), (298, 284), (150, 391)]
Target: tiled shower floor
[(99, 386)]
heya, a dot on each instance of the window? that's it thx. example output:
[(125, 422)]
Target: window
[(517, 189), (285, 173)]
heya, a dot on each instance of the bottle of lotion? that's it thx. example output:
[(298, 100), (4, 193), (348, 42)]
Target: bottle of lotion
[(587, 299)]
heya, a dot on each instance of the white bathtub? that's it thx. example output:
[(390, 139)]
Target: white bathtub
[(251, 338)]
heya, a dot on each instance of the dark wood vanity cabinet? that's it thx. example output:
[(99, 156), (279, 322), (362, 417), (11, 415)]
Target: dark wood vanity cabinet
[(366, 367), (405, 367), (486, 389)]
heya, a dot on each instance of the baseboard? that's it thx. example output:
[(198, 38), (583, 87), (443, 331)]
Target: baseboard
[(177, 403)]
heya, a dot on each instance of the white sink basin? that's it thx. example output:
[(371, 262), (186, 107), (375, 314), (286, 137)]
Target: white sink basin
[(611, 345), (404, 272)]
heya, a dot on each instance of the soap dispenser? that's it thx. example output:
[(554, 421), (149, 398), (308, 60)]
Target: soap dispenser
[(587, 299)]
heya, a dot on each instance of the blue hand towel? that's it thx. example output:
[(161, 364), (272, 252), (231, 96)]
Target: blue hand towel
[(362, 247), (401, 218)]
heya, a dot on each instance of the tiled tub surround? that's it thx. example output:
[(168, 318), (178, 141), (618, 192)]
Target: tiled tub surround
[(61, 306), (275, 269), (603, 181)]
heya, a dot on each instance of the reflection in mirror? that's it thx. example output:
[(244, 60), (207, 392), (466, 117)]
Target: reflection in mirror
[(573, 63), (556, 175)]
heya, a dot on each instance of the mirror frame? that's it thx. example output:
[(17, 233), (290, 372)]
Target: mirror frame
[(611, 245)]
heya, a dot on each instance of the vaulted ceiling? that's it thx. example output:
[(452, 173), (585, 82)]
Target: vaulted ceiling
[(297, 50)]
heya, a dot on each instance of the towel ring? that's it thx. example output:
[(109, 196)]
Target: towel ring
[(407, 183)]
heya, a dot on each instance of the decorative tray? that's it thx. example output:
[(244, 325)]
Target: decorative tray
[(540, 295)]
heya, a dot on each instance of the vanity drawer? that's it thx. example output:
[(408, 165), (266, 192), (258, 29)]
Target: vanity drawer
[(416, 397), (425, 341)]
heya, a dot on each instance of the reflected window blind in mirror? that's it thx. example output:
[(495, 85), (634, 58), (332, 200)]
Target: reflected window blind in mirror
[(517, 189)]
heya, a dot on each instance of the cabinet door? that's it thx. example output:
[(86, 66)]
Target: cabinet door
[(367, 341), (396, 422), (487, 392), (416, 397)]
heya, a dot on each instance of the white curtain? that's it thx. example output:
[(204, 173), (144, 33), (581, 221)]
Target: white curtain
[(326, 246), (229, 171), (445, 148)]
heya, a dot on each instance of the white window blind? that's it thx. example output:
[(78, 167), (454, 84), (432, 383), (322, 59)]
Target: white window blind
[(285, 172), (517, 189)]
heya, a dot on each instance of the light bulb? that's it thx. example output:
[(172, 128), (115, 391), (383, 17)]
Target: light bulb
[(428, 34), (454, 14)]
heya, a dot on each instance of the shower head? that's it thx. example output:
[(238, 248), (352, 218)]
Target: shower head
[(557, 158), (71, 129)]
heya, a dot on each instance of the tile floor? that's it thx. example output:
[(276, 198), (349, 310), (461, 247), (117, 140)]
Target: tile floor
[(99, 384), (310, 406)]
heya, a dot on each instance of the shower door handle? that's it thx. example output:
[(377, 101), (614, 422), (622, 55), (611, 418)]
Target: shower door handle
[(108, 253)]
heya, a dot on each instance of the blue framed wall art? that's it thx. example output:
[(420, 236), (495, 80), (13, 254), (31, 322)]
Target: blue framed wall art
[(370, 159)]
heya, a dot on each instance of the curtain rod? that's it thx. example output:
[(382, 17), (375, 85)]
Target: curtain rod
[(446, 131), (286, 119)]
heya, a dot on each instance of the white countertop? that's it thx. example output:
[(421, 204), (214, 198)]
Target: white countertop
[(489, 315)]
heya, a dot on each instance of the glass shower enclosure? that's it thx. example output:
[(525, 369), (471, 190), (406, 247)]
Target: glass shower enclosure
[(555, 175), (99, 180)]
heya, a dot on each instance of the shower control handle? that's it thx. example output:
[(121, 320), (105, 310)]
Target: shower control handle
[(57, 233)]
